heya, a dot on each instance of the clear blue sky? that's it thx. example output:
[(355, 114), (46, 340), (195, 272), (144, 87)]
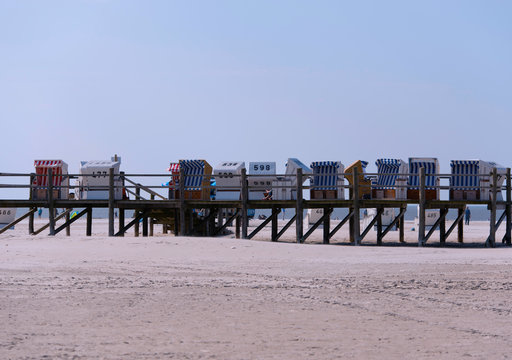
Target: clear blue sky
[(155, 81)]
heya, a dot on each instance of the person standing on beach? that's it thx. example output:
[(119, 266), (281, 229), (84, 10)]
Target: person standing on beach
[(468, 215), (39, 212)]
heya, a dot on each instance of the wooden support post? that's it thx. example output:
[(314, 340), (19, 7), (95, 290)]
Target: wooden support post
[(190, 229), (51, 209), (164, 228), (111, 203), (460, 225), (176, 222), (68, 217), (145, 226), (508, 209), (442, 227), (327, 225), (379, 227), (220, 217), (237, 227), (121, 221), (31, 197), (422, 203), (351, 223), (211, 224), (244, 196), (299, 221), (88, 230), (355, 195), (401, 224), (136, 230), (151, 220), (494, 191), (183, 226), (274, 223)]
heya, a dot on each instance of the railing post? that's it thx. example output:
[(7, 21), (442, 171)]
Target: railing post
[(422, 204), (299, 221), (111, 203), (31, 197), (51, 209), (244, 196), (494, 192), (355, 194), (183, 226), (508, 209)]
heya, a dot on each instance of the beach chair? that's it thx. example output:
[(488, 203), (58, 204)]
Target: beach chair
[(197, 175), (327, 180), (365, 183), (60, 179), (93, 182), (285, 187), (472, 180), (260, 179), (391, 181), (431, 166), (227, 180)]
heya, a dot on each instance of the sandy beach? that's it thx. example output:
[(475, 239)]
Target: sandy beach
[(167, 297)]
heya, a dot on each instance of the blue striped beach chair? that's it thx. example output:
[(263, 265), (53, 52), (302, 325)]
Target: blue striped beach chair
[(431, 166), (471, 180), (327, 180), (197, 179), (391, 179)]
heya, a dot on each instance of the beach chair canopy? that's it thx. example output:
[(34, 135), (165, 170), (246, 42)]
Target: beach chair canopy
[(192, 167), (465, 174), (174, 168), (293, 164), (388, 171), (325, 174), (430, 166), (58, 167)]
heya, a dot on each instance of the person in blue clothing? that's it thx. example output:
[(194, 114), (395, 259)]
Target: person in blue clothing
[(467, 215), (39, 212)]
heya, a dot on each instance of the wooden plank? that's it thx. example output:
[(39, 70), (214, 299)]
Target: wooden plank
[(244, 195), (264, 223), (31, 197), (491, 240), (327, 226), (131, 223), (442, 216), (371, 224), (395, 220), (422, 203), (51, 209), (356, 218), (46, 226), (458, 221), (88, 228), (70, 221), (288, 224), (340, 224), (151, 221), (315, 225), (299, 208), (11, 224), (226, 224), (111, 203), (508, 210)]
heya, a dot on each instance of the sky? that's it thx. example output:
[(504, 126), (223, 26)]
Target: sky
[(159, 81)]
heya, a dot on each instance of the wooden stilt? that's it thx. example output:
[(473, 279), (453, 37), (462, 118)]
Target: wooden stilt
[(422, 203), (136, 228), (88, 228), (492, 230), (508, 209), (121, 221), (327, 225), (31, 197), (183, 225), (274, 223), (460, 225), (379, 227), (299, 212), (355, 199), (442, 227), (401, 224), (111, 204), (68, 216), (51, 209), (244, 195)]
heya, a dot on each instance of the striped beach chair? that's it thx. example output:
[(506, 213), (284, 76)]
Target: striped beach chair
[(59, 171), (391, 179), (197, 175), (471, 180), (327, 179), (431, 166)]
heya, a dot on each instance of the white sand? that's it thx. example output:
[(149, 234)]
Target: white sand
[(167, 297)]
